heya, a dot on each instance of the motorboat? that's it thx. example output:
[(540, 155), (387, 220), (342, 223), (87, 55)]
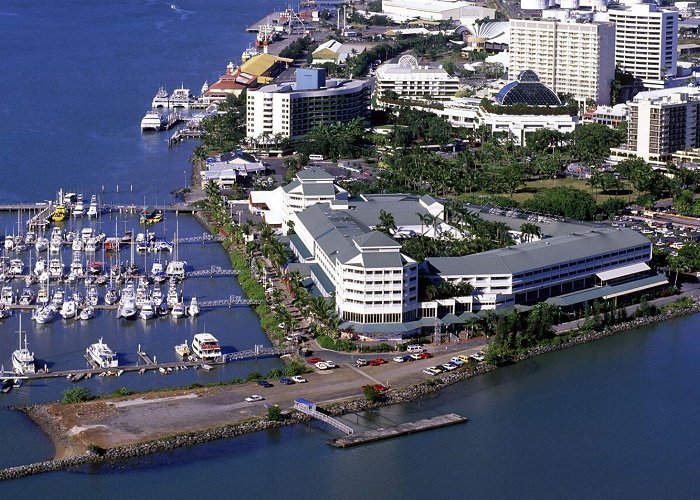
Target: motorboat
[(147, 310), (16, 267), (45, 314), (78, 207), (172, 297), (58, 298), (111, 296), (7, 296), (42, 296), (9, 242), (93, 210), (153, 120), (95, 267), (206, 347), (157, 294), (161, 99), (76, 268), (5, 312), (176, 269), (27, 297), (91, 245), (41, 244), (100, 354), (69, 309), (193, 309), (87, 313), (249, 53), (22, 359), (162, 309), (55, 269), (179, 310), (183, 350), (78, 245), (93, 296), (127, 308), (39, 267), (59, 214)]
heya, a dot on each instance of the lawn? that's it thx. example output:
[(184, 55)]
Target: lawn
[(532, 187)]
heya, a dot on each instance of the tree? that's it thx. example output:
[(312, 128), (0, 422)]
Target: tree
[(591, 142), (387, 224), (563, 200), (76, 395), (530, 231)]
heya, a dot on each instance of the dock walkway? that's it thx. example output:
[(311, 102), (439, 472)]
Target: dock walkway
[(399, 430)]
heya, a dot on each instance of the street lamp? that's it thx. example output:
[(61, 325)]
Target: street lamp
[(239, 212), (185, 174)]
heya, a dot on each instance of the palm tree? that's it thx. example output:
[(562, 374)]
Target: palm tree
[(530, 231), (387, 224)]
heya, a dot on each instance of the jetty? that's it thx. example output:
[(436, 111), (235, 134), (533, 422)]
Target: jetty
[(399, 430), (309, 408)]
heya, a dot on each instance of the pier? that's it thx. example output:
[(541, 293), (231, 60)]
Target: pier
[(399, 430), (309, 408)]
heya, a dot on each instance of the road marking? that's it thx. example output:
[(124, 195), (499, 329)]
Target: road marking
[(365, 375)]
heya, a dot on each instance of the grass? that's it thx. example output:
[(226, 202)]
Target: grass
[(531, 187)]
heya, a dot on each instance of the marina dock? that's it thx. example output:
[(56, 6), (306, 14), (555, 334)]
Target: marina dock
[(399, 430)]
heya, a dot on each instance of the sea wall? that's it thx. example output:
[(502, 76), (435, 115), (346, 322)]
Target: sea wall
[(355, 405)]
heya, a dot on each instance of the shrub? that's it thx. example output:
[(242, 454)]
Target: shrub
[(76, 395), (123, 391), (371, 394), (274, 413), (253, 376), (97, 450)]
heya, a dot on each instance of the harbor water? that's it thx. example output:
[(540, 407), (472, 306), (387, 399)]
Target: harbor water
[(614, 419)]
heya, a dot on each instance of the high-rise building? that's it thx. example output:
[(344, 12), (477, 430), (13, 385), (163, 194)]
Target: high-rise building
[(646, 42), (662, 122), (409, 81), (291, 110), (571, 58)]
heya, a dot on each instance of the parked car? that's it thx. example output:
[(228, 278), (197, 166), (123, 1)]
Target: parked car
[(425, 355), (399, 359), (254, 398), (381, 361), (432, 370), (299, 379), (449, 366), (322, 365), (361, 362), (380, 387), (330, 364), (314, 360), (415, 356), (463, 358), (477, 356), (263, 383), (286, 381), (457, 361)]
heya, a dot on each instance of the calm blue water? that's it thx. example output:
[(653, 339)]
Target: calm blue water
[(612, 419)]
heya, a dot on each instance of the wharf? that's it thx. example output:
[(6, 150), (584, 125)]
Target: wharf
[(399, 430), (272, 18)]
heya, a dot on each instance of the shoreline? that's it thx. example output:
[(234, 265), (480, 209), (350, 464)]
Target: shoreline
[(68, 454)]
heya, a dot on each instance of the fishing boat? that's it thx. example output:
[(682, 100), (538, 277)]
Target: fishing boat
[(102, 355), (172, 297), (22, 358), (147, 310), (79, 207), (206, 347), (93, 210), (41, 244), (45, 314), (179, 310), (183, 350), (193, 309), (69, 309)]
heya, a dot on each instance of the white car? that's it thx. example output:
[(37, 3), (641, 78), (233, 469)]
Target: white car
[(399, 359), (330, 364), (322, 365), (478, 356), (457, 361), (254, 398), (299, 379), (432, 370)]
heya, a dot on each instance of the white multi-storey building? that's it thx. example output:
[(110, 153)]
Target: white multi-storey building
[(572, 58), (646, 42), (662, 122), (291, 110), (407, 80)]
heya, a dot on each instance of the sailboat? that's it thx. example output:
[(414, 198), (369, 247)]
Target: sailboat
[(22, 358)]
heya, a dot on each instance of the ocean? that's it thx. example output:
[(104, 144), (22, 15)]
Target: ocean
[(615, 418)]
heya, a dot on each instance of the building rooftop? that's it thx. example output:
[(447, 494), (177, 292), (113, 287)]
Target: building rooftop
[(262, 63), (528, 90), (539, 254)]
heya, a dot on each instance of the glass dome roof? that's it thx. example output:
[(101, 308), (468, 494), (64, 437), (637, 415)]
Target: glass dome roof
[(528, 90)]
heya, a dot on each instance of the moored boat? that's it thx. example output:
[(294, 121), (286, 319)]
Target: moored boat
[(102, 355), (206, 347), (183, 350), (22, 358)]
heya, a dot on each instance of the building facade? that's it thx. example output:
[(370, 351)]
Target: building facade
[(572, 58), (291, 110), (406, 80), (646, 41)]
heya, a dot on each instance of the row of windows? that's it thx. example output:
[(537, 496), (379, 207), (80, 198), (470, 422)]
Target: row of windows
[(372, 318)]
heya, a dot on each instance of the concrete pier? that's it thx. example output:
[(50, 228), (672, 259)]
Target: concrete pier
[(399, 430)]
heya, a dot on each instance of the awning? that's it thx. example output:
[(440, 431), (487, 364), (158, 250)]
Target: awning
[(451, 319), (612, 274)]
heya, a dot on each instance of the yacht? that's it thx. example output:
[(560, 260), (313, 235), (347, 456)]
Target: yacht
[(79, 207), (141, 296), (172, 297), (41, 244), (55, 269), (111, 296), (16, 267), (42, 296), (87, 313), (178, 310), (58, 298), (7, 296), (69, 309), (22, 358), (93, 296), (27, 297), (127, 307), (45, 314), (39, 267), (153, 121), (161, 99), (100, 354), (176, 269), (193, 310), (91, 245), (206, 347), (147, 310), (93, 210), (5, 312), (9, 242), (76, 268)]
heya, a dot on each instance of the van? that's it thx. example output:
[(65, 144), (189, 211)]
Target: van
[(316, 157), (417, 348)]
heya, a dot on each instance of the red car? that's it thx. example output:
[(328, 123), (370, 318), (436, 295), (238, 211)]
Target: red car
[(380, 387), (313, 361), (374, 362), (381, 361), (425, 355)]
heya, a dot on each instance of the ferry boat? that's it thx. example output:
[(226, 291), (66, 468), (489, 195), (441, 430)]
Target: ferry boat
[(22, 358), (161, 99), (102, 355), (181, 98), (153, 120), (206, 347), (183, 350)]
